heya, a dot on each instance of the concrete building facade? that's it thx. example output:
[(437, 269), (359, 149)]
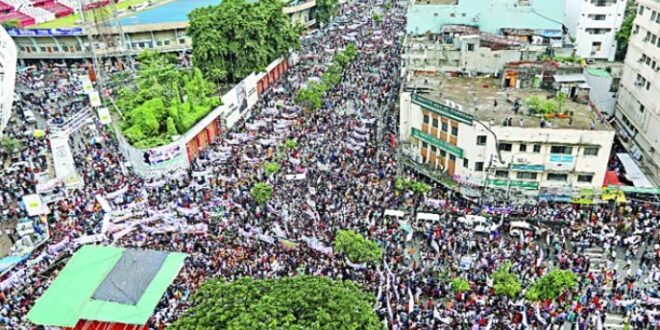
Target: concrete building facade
[(594, 24), (8, 56), (637, 110), (73, 43), (472, 130)]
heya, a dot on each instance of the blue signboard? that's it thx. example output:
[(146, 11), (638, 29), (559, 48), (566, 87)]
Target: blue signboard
[(44, 32)]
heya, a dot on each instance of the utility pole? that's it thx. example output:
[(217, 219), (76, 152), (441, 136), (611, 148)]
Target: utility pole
[(483, 189)]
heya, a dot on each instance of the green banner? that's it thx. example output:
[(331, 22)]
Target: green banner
[(527, 185), (442, 109), (450, 148), (528, 168)]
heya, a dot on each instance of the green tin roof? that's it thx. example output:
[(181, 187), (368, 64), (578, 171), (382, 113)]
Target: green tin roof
[(69, 297)]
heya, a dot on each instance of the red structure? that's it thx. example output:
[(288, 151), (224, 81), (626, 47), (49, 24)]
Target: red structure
[(56, 8), (271, 76), (98, 325), (22, 19), (214, 129)]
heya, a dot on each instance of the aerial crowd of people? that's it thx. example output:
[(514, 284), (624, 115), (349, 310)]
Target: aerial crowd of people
[(340, 175)]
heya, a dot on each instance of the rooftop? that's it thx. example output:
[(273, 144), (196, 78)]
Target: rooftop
[(431, 15), (477, 97), (107, 284)]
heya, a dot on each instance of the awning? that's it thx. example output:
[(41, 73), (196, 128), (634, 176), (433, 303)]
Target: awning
[(568, 78), (633, 172), (611, 178)]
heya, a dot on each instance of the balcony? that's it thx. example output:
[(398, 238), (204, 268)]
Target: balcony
[(297, 6)]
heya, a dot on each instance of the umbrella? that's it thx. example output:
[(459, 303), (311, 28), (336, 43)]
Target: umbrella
[(38, 133)]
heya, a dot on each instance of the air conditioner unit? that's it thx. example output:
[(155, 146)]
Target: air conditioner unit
[(641, 59), (639, 83), (521, 160), (458, 107), (646, 39)]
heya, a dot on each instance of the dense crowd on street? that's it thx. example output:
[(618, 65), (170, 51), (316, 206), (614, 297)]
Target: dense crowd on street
[(340, 175)]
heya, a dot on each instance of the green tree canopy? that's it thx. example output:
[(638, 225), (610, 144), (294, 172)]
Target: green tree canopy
[(9, 145), (356, 247), (235, 38), (325, 10), (271, 168), (623, 35), (552, 284), (310, 96), (262, 192), (460, 285), (417, 187), (506, 283), (163, 101), (296, 303), (291, 144)]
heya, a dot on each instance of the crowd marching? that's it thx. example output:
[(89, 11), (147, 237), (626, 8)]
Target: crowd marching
[(340, 175)]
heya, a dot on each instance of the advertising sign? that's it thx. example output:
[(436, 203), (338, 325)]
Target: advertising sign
[(104, 116)]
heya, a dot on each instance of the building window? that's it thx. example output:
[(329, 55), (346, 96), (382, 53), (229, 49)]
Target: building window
[(479, 166), (443, 154), (445, 127), (481, 140), (561, 150), (426, 119), (434, 149), (641, 108), (597, 17), (585, 178), (470, 47), (526, 175), (537, 148), (501, 174), (466, 163), (640, 11), (505, 147), (454, 130), (523, 148), (591, 151), (653, 15), (557, 177), (425, 145), (435, 123), (452, 158)]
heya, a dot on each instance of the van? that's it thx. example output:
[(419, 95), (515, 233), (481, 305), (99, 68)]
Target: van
[(478, 224)]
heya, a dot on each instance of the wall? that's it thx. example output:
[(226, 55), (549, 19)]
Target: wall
[(236, 105), (8, 55), (578, 21)]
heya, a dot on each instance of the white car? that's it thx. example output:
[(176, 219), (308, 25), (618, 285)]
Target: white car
[(478, 223), (29, 117)]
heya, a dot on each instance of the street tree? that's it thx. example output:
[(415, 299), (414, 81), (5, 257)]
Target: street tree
[(271, 168), (506, 283), (356, 247), (460, 285), (552, 284), (262, 192), (325, 10), (235, 38), (295, 303)]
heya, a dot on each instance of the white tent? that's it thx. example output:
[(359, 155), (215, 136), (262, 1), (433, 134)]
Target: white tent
[(633, 172), (394, 213)]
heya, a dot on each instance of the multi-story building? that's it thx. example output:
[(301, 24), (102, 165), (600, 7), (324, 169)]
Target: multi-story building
[(480, 134), (594, 24), (637, 111), (7, 77), (141, 32)]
